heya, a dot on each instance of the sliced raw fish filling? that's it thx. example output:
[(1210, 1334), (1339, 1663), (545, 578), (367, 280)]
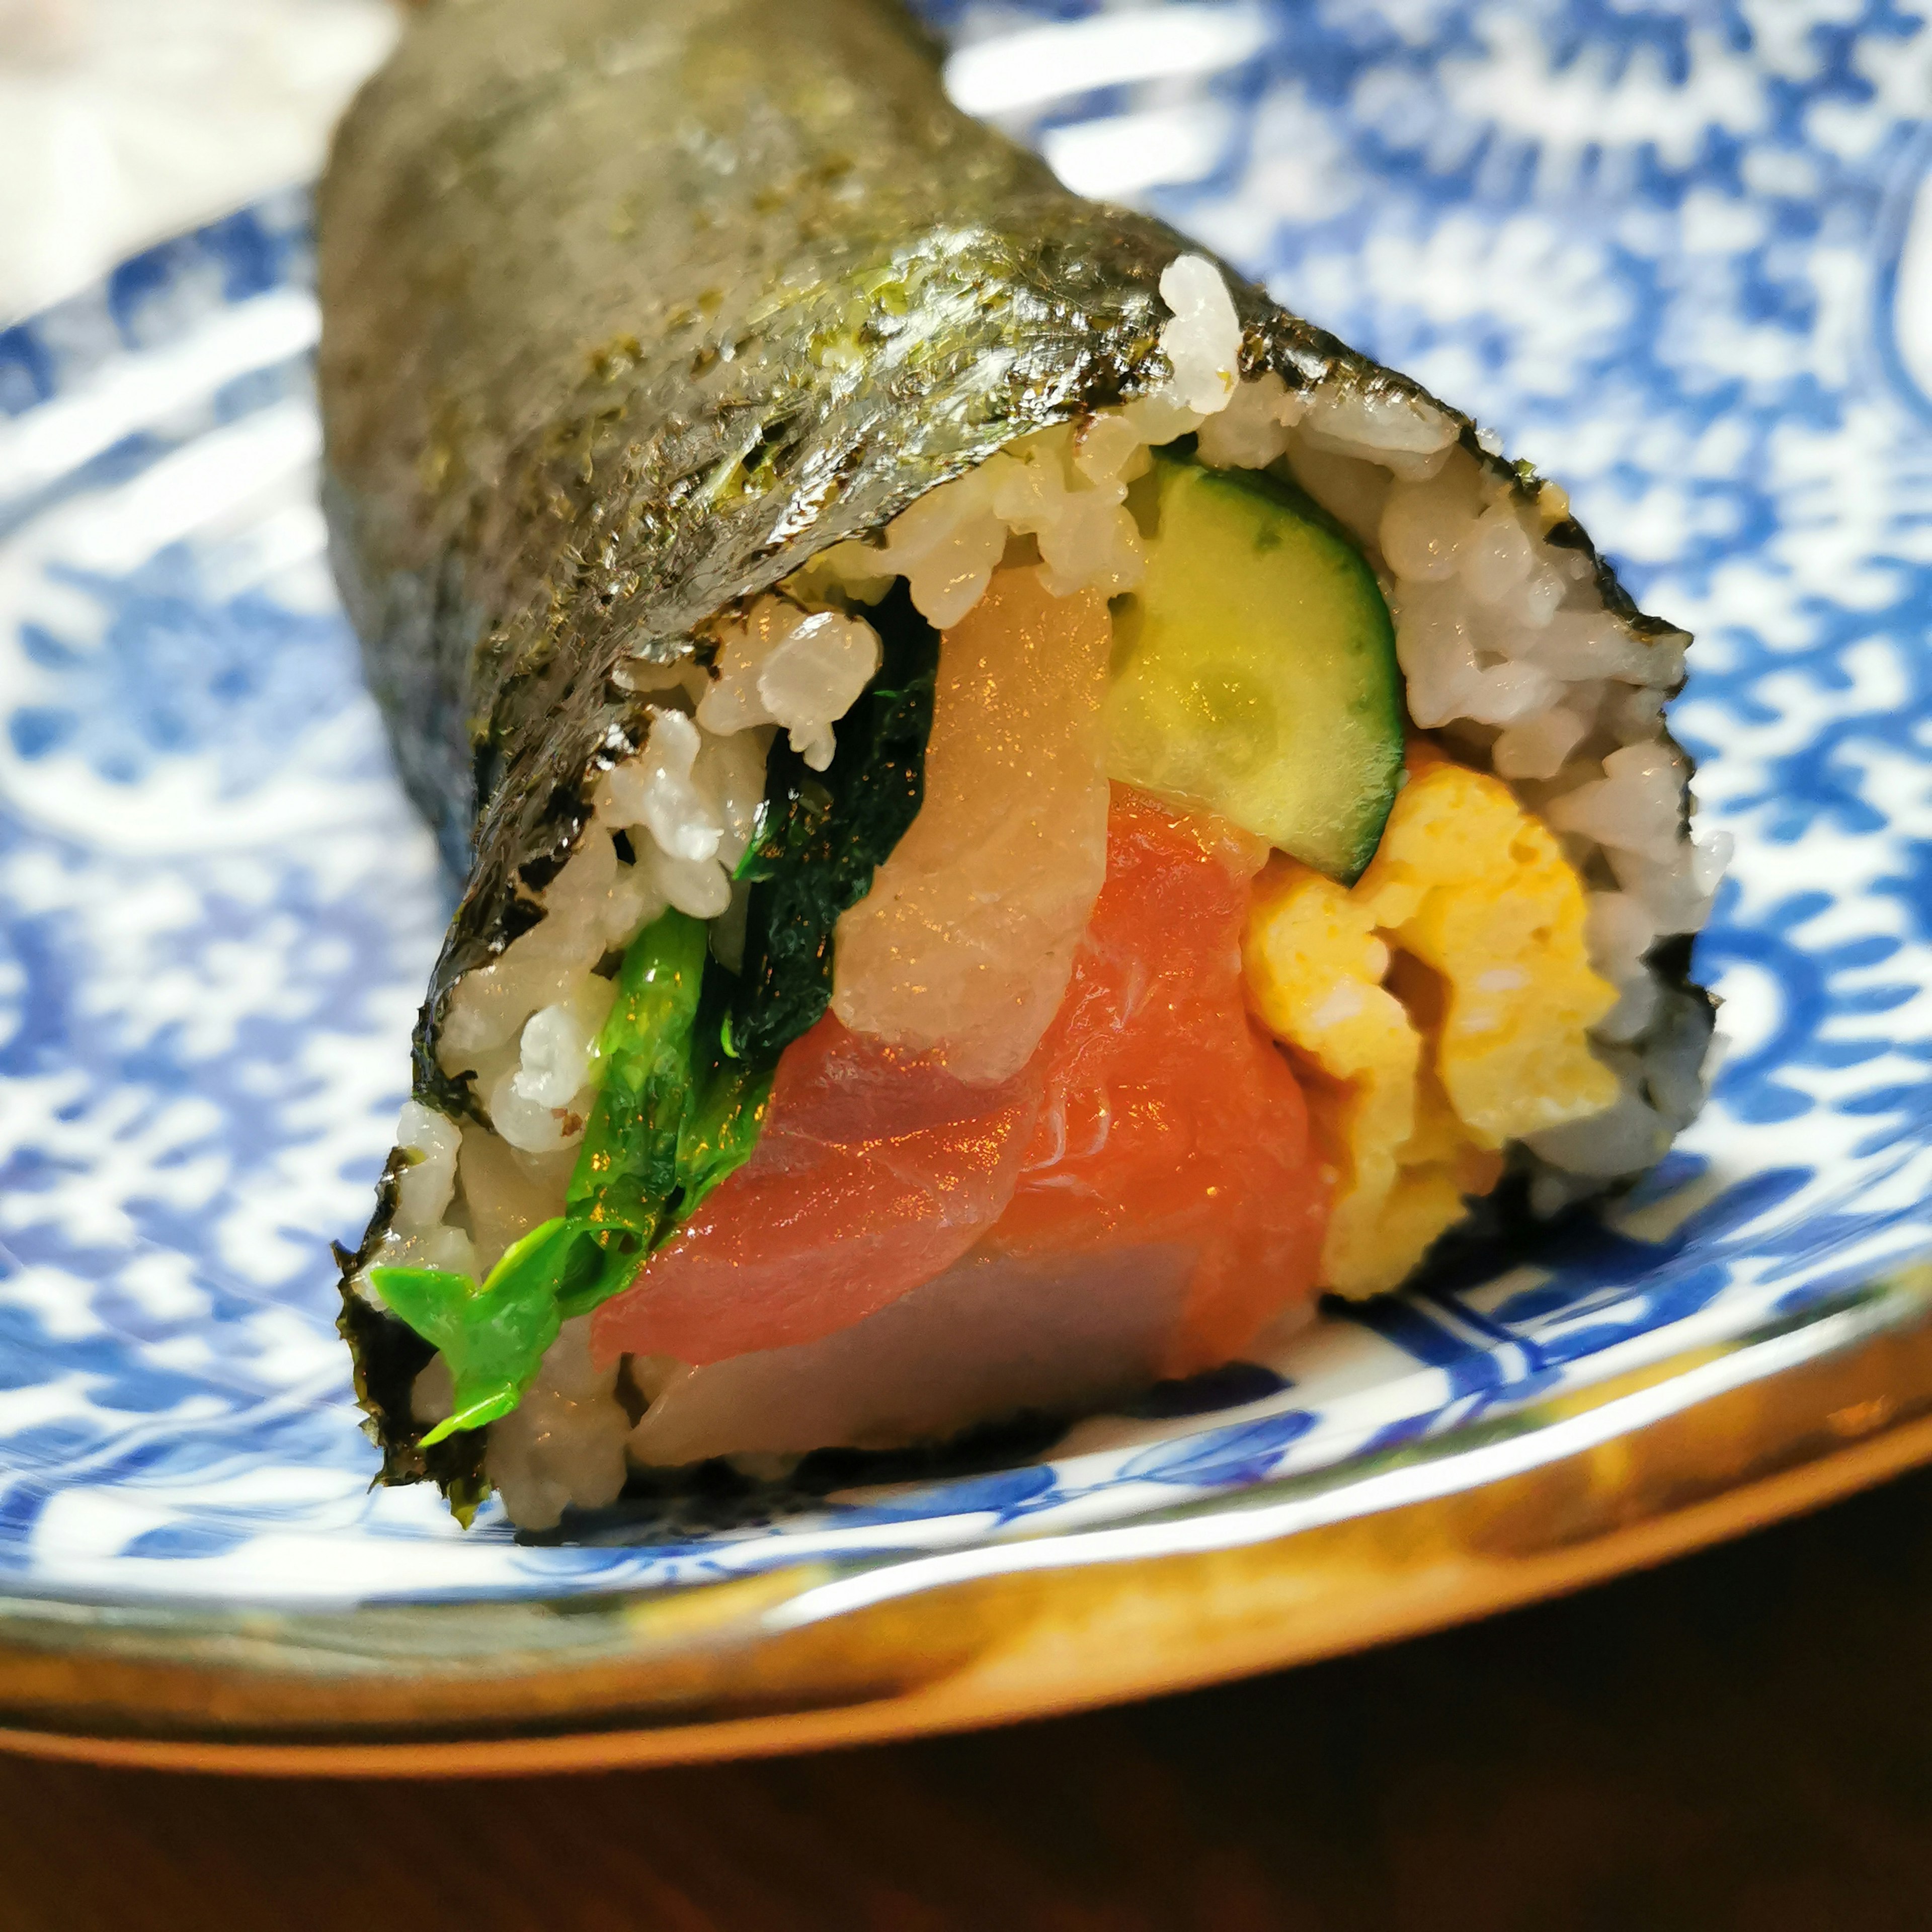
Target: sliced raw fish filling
[(1156, 1120), (993, 1334), (1170, 1120), (875, 1170), (964, 943)]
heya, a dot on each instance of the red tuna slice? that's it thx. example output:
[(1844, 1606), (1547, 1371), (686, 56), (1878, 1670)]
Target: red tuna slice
[(876, 1170), (1155, 1117), (1170, 1117)]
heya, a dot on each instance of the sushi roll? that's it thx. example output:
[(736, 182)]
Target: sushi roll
[(1023, 813)]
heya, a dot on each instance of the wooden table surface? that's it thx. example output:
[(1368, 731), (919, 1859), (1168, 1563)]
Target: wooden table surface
[(1742, 1740)]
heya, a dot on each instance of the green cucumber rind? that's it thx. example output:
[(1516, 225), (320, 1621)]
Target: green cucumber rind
[(1383, 779)]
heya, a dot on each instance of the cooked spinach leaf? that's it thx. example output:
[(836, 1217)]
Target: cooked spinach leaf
[(717, 1134), (626, 1172), (493, 1335)]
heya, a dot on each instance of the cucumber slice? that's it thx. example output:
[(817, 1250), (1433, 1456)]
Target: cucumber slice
[(1255, 669)]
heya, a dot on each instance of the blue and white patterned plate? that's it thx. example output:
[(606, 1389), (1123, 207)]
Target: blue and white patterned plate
[(1683, 256)]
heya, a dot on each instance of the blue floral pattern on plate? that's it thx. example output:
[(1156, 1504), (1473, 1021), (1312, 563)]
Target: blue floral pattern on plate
[(1683, 257)]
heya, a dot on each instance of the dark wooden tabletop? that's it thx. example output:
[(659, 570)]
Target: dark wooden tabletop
[(1742, 1741)]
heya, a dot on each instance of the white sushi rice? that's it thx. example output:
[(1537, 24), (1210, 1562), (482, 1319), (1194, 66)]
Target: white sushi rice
[(1506, 648)]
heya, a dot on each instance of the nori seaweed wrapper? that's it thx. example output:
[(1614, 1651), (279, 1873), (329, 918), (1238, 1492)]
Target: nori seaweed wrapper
[(630, 307)]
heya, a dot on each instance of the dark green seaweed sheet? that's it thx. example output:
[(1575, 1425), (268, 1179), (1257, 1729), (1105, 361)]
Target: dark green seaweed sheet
[(629, 308)]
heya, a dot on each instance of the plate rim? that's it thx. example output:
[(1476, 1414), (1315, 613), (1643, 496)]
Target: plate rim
[(1632, 1472), (79, 1660)]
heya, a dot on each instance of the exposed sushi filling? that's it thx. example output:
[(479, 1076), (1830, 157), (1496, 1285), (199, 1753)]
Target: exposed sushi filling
[(1157, 881)]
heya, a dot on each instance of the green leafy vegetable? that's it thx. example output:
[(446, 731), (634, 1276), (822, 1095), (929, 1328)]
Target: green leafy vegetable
[(686, 1061), (626, 1172), (492, 1337), (623, 1190), (717, 1134)]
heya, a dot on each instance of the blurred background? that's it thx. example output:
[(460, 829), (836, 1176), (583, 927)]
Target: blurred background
[(123, 121)]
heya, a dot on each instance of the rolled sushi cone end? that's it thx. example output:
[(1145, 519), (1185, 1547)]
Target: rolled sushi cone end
[(1024, 811)]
